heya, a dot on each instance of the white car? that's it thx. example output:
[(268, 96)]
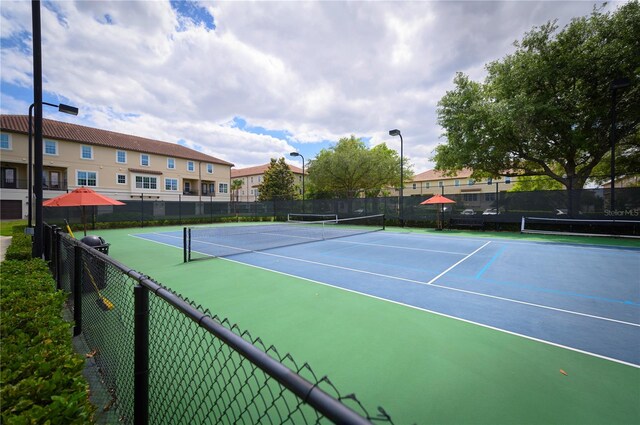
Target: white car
[(468, 212), (490, 211)]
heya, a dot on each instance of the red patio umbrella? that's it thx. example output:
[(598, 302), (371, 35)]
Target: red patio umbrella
[(81, 197), (438, 199)]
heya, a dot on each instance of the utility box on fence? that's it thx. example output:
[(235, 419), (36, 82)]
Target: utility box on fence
[(94, 269)]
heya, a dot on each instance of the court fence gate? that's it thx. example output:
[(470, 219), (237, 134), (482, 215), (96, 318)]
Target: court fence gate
[(165, 360)]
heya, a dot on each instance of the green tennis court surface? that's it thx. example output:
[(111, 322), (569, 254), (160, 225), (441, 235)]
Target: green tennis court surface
[(422, 367)]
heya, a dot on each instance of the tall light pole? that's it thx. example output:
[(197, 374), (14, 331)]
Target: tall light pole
[(620, 83), (72, 110), (300, 155), (396, 132)]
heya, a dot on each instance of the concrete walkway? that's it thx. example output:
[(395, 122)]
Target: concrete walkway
[(5, 241)]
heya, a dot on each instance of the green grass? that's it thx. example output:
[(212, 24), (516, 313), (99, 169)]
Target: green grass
[(6, 227), (421, 367)]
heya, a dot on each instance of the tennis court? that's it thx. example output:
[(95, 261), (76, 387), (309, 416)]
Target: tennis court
[(523, 331)]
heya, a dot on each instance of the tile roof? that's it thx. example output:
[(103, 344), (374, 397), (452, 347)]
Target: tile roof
[(77, 133), (440, 175), (259, 169)]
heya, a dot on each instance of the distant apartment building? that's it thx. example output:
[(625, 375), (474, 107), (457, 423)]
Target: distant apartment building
[(252, 177), (121, 166), (473, 191)]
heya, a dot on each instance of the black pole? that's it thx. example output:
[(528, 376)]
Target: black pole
[(141, 356), (302, 184), (77, 290), (401, 181), (37, 100), (30, 165)]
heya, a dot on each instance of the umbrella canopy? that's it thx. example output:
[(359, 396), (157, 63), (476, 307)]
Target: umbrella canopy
[(81, 197), (437, 199)]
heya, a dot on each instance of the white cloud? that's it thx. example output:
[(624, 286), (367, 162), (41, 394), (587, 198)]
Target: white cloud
[(314, 70)]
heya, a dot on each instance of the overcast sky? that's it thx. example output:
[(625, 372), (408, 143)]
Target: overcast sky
[(249, 81)]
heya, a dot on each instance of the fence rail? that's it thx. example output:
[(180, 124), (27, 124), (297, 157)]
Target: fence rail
[(165, 360)]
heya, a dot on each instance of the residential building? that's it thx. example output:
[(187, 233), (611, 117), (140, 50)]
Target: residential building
[(121, 166), (252, 177)]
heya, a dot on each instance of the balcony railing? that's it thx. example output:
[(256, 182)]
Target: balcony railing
[(24, 184)]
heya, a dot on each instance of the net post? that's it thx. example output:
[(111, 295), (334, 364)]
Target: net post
[(189, 244), (383, 222), (141, 355), (184, 244), (522, 225)]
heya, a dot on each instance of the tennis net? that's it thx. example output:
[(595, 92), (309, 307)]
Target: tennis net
[(581, 227), (223, 241)]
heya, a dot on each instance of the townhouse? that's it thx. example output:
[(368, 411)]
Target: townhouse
[(122, 166)]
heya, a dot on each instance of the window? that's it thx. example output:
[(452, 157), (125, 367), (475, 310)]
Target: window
[(426, 185), (507, 180), (187, 187), (456, 182), (471, 182), (171, 163), (50, 147), (171, 184), (210, 168), (5, 142), (144, 160), (470, 197), (146, 182), (121, 178), (121, 157), (489, 180), (190, 166), (440, 184), (209, 189), (414, 185), (86, 178), (223, 188), (86, 152)]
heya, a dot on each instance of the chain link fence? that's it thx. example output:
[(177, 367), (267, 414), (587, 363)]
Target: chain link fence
[(165, 360)]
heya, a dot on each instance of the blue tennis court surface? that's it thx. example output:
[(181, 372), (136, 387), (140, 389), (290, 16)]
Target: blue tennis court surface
[(582, 297)]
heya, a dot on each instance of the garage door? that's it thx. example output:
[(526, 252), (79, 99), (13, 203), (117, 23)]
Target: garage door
[(10, 210)]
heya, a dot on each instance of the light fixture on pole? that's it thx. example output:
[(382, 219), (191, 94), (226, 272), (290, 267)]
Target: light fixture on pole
[(71, 110), (300, 155), (620, 83), (396, 132)]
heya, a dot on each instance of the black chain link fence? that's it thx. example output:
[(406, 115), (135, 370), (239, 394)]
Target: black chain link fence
[(497, 206), (165, 360)]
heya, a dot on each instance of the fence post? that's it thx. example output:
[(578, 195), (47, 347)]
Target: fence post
[(77, 290), (141, 356), (55, 254)]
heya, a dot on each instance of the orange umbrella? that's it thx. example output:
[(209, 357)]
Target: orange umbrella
[(438, 199), (81, 197)]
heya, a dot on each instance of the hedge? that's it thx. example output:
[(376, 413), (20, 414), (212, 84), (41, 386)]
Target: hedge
[(41, 381)]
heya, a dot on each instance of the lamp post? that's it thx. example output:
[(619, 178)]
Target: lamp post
[(620, 83), (396, 132), (72, 110), (300, 155)]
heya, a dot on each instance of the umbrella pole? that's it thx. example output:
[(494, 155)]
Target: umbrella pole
[(84, 221)]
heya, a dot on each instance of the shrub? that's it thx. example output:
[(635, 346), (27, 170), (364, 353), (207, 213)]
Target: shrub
[(41, 379), (20, 248)]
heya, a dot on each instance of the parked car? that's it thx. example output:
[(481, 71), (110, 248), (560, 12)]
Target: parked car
[(561, 211), (468, 212), (490, 211)]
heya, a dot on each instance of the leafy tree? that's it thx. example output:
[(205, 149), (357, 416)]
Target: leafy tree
[(277, 182), (545, 109), (349, 169), (529, 184)]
